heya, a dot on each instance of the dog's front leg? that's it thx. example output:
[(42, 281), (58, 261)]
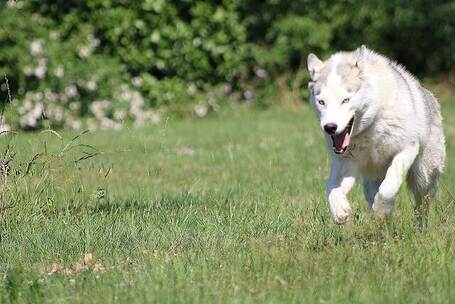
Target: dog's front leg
[(385, 198), (341, 180)]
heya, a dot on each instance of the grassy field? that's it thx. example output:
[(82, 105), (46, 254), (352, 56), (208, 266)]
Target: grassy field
[(226, 209)]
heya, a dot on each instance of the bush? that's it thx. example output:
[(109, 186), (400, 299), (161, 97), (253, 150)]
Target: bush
[(69, 60), (60, 77)]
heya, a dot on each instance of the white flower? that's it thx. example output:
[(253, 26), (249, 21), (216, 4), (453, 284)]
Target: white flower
[(4, 128), (261, 73), (91, 85), (54, 35), (126, 93), (27, 121), (137, 81), (191, 89), (71, 91), (28, 71), (197, 41), (50, 96), (136, 100), (200, 110), (248, 95), (40, 71), (14, 4), (36, 47), (59, 71), (37, 111), (227, 88), (54, 113), (120, 114), (96, 108), (76, 125), (94, 42), (155, 36), (83, 52)]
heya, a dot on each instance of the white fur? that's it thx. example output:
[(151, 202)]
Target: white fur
[(397, 131)]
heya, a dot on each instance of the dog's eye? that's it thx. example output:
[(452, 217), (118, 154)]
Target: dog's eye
[(321, 102), (346, 100)]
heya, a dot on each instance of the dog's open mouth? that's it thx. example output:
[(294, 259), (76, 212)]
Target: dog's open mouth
[(341, 141)]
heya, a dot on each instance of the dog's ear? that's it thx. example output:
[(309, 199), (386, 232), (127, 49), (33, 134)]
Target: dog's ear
[(358, 67), (358, 61), (314, 65)]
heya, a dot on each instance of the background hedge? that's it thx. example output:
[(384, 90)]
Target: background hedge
[(114, 60)]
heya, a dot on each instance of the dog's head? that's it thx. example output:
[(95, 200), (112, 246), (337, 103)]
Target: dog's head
[(337, 88)]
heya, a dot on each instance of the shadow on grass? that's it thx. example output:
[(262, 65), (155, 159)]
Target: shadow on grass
[(174, 202)]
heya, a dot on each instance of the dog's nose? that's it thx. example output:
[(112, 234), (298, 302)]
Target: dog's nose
[(330, 128)]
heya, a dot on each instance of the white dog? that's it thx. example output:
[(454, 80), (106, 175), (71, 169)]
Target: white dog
[(380, 124)]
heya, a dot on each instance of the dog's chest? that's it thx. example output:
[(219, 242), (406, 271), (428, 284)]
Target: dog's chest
[(372, 154)]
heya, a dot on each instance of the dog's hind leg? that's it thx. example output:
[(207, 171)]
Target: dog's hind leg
[(423, 182), (423, 176), (370, 188)]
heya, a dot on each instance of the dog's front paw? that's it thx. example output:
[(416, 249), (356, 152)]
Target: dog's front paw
[(341, 211), (382, 208)]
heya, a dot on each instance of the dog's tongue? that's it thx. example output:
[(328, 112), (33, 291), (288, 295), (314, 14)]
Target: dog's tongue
[(341, 141)]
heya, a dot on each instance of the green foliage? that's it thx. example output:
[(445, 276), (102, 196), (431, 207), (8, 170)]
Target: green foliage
[(169, 46), (418, 34), (192, 40)]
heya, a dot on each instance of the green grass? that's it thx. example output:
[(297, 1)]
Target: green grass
[(226, 209)]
